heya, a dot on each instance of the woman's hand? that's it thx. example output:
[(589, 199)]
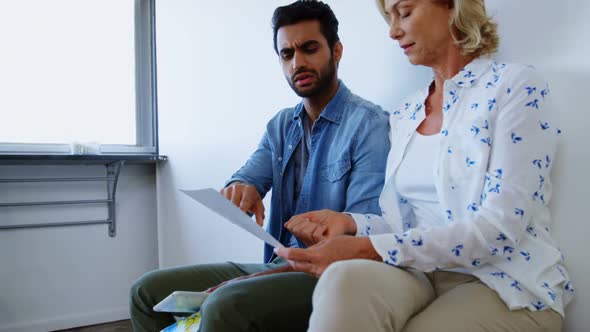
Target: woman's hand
[(315, 226), (314, 260)]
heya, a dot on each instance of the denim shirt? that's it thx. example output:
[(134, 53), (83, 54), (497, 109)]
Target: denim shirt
[(346, 167)]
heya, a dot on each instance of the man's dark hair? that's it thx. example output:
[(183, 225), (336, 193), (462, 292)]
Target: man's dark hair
[(307, 10)]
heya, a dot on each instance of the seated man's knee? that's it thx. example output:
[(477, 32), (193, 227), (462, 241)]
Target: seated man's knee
[(225, 300), (144, 286)]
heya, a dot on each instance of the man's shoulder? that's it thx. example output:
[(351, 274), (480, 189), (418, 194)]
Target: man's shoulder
[(359, 108)]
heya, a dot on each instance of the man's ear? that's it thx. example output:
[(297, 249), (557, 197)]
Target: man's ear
[(338, 52)]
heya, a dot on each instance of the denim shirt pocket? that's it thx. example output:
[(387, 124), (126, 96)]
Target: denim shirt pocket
[(335, 171)]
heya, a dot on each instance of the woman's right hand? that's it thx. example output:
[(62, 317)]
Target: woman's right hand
[(315, 226)]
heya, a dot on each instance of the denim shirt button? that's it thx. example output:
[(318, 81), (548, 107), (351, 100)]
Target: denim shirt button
[(280, 158), (290, 146)]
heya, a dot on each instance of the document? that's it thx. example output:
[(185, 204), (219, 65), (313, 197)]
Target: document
[(217, 203)]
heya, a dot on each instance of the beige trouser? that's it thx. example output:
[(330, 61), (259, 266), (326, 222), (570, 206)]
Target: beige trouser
[(363, 295)]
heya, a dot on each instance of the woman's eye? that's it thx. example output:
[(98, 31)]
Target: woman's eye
[(404, 14)]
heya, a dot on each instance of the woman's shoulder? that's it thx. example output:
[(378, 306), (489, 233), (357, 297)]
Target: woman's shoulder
[(513, 73)]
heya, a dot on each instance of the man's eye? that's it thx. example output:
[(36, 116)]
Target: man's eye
[(286, 56), (311, 49), (404, 14)]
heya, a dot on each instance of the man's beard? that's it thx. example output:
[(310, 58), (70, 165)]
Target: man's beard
[(325, 77)]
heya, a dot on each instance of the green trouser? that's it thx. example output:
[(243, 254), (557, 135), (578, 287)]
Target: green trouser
[(274, 302)]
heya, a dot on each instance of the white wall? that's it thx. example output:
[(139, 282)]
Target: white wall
[(219, 83), (56, 278)]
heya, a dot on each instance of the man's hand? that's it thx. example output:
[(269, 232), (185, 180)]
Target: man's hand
[(315, 226), (247, 198), (284, 268), (316, 259)]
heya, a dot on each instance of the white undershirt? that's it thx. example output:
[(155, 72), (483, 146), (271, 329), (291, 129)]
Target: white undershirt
[(415, 180)]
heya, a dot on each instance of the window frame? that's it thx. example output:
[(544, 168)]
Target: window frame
[(146, 98)]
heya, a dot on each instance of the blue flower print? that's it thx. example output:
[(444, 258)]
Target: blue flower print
[(519, 212), (406, 106), (491, 104), (445, 132), (474, 130), (488, 181), (490, 85), (496, 78), (449, 150), (403, 200), (398, 240), (392, 257), (368, 230), (533, 104), (495, 189), (515, 138), (469, 74), (544, 125), (526, 255), (516, 285), (531, 231), (417, 243), (476, 262), (473, 207), (486, 140), (454, 96), (474, 106), (547, 161), (507, 249), (568, 287), (544, 92), (485, 125), (482, 198), (493, 251), (508, 91), (498, 173), (500, 275), (530, 90), (447, 107), (457, 250), (501, 237), (541, 181), (538, 305), (538, 163), (469, 162), (449, 214)]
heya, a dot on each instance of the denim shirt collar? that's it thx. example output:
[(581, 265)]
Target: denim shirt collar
[(333, 111)]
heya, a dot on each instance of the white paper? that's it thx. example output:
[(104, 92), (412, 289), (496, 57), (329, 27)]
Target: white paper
[(212, 199)]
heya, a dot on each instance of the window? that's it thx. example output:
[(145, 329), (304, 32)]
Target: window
[(77, 71)]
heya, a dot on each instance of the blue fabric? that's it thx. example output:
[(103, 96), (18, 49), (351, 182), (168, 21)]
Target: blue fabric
[(346, 168)]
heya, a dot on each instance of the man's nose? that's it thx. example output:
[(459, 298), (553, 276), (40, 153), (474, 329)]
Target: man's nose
[(298, 61)]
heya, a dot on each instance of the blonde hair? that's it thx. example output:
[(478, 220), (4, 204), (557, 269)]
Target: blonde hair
[(471, 27)]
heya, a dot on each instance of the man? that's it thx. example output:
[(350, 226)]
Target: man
[(327, 152)]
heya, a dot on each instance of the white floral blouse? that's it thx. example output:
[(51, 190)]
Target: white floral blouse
[(492, 181)]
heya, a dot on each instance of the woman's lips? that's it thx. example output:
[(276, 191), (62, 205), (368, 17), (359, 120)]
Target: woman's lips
[(407, 47)]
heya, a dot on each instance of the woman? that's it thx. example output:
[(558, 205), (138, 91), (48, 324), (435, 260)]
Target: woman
[(465, 225)]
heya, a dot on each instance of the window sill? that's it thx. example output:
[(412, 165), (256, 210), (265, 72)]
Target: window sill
[(86, 159)]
